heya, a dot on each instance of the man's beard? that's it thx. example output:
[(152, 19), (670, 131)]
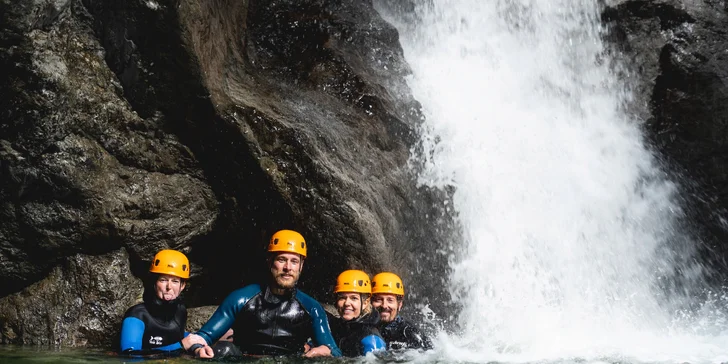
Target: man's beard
[(391, 315), (283, 283)]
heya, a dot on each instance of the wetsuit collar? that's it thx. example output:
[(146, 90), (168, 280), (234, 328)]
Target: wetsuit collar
[(269, 297), (397, 320)]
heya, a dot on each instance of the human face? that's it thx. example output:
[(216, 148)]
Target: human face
[(285, 269), (350, 305), (388, 306), (168, 287)]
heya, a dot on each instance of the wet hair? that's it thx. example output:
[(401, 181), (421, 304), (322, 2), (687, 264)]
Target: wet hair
[(368, 309)]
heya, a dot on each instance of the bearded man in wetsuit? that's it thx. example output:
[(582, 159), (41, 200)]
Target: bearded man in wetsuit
[(274, 318), (387, 298)]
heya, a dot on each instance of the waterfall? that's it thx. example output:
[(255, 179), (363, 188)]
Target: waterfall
[(572, 239)]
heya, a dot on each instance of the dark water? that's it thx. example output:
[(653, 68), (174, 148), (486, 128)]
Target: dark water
[(35, 355)]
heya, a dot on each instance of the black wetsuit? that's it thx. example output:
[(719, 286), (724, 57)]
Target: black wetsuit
[(154, 326), (268, 324), (402, 334), (358, 336)]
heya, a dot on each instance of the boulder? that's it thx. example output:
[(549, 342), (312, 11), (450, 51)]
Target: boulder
[(77, 304)]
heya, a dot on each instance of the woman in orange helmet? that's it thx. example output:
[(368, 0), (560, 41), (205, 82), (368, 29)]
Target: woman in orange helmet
[(157, 325), (356, 330)]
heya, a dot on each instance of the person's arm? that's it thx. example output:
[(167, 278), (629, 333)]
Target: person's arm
[(225, 315), (320, 325), (416, 339), (132, 332), (373, 343)]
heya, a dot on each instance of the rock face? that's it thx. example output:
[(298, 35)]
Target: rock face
[(77, 304), (677, 51), (205, 126), (132, 126)]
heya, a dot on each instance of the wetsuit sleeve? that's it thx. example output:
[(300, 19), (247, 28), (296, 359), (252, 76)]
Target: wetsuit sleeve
[(321, 330), (132, 331), (225, 315), (373, 343)]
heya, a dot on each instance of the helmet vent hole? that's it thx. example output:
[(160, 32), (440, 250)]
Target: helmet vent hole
[(275, 242), (156, 262), (184, 267)]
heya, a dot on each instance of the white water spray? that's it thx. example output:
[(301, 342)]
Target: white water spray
[(568, 223)]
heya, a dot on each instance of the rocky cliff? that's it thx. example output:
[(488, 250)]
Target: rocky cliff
[(205, 126), (676, 53), (131, 126)]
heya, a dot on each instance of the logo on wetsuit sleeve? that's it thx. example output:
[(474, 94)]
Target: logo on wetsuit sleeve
[(155, 340)]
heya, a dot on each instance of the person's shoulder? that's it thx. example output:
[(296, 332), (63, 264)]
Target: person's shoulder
[(309, 303), (248, 291), (414, 335), (400, 327), (405, 322), (241, 296), (409, 325), (139, 311), (182, 309)]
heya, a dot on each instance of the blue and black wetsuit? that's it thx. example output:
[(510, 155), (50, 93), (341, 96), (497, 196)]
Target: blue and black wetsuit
[(359, 336), (402, 334), (153, 327), (268, 324)]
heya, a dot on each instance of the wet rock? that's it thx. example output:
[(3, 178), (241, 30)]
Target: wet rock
[(294, 109), (197, 316), (81, 171), (677, 55), (77, 304), (205, 126)]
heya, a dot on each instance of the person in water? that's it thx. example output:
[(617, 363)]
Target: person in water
[(387, 298), (274, 318), (157, 325), (355, 331)]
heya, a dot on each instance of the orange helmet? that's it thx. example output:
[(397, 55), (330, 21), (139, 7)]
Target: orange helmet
[(388, 283), (287, 241), (171, 262), (354, 281)]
